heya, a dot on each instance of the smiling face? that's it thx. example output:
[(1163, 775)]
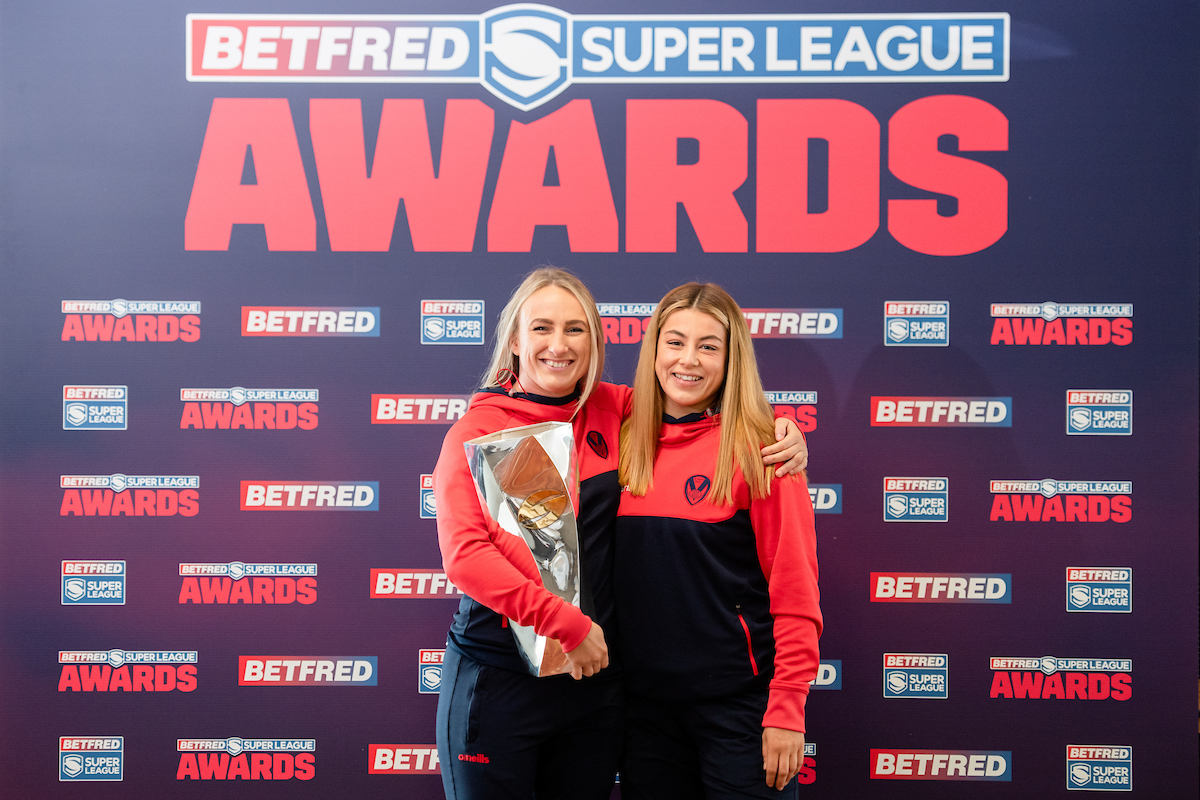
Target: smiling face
[(553, 343), (690, 361)]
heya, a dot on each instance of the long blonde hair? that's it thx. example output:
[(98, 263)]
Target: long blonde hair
[(746, 417), (503, 359)]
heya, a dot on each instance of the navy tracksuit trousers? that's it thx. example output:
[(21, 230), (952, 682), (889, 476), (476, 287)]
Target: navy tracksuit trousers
[(504, 734), (710, 749)]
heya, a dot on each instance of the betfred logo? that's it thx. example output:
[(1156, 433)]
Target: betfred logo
[(800, 407), (428, 502), (130, 321), (916, 323), (127, 670), (95, 408), (940, 587), (826, 497), (625, 323), (829, 675), (1051, 678), (1062, 323), (794, 323), (916, 499), (921, 675), (93, 583), (236, 582), (494, 49), (91, 758), (406, 759), (1100, 767), (941, 765), (310, 496), (418, 409), (426, 584), (129, 495), (308, 671), (1050, 500), (310, 321), (251, 409), (1099, 412), (429, 670), (451, 322), (941, 412), (1100, 590), (246, 759)]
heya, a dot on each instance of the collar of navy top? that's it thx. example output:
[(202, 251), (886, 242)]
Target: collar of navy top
[(699, 416), (537, 398)]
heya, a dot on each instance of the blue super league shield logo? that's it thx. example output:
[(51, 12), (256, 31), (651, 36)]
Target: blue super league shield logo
[(525, 54), (431, 678)]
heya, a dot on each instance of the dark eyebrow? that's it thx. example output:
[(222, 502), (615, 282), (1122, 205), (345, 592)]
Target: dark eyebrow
[(702, 338), (568, 322)]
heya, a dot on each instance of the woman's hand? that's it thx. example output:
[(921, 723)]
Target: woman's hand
[(783, 753), (789, 447), (589, 657)]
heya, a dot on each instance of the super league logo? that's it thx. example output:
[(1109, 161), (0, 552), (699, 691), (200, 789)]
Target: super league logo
[(696, 488), (526, 57)]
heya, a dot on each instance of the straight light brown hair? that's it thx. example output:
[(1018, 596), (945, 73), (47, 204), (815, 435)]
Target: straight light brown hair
[(503, 359), (747, 421)]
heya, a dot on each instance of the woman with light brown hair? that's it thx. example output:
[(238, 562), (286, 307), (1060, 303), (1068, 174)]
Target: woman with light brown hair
[(500, 731), (715, 567)]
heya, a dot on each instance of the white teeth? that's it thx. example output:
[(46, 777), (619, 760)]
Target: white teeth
[(688, 378), (556, 364)]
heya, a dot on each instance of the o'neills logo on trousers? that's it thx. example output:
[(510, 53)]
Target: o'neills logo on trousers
[(246, 759), (406, 759), (941, 765)]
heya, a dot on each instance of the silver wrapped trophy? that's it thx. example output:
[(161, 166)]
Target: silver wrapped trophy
[(527, 478)]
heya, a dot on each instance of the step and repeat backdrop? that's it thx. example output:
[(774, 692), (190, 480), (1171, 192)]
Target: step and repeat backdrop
[(254, 254)]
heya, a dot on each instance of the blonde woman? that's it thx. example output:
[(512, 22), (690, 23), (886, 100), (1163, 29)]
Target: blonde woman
[(716, 568), (501, 732)]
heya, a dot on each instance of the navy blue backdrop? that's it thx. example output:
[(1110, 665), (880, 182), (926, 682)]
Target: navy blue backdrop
[(102, 136)]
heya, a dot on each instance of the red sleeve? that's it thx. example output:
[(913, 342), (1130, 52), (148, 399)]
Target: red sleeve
[(622, 399), (488, 563), (787, 551)]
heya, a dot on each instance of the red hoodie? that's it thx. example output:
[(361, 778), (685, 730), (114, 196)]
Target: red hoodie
[(714, 600), (494, 568)]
